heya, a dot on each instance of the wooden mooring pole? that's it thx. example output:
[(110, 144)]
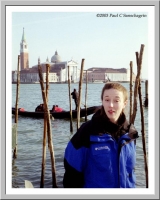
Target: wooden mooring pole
[(47, 114), (70, 100), (143, 135), (146, 94), (86, 95), (14, 129), (131, 85), (80, 92), (17, 91), (139, 65), (44, 131)]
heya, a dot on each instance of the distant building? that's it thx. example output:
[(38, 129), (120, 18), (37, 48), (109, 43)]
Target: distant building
[(97, 74), (58, 68), (14, 76)]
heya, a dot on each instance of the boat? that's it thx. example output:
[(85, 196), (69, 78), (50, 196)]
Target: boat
[(98, 81), (58, 115)]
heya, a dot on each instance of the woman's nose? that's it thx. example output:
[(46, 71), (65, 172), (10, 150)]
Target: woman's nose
[(111, 104)]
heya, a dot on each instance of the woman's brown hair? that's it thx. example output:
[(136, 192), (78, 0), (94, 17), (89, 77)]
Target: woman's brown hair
[(116, 86)]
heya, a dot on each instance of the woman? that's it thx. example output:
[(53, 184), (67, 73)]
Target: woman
[(55, 108), (102, 153)]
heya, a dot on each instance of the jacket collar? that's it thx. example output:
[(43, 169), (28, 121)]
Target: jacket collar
[(102, 124)]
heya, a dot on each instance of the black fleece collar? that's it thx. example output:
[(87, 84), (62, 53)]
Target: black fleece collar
[(102, 124)]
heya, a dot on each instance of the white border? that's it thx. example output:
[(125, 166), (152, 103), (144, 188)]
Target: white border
[(80, 9), (151, 39)]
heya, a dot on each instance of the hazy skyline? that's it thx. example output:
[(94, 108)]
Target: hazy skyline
[(109, 41)]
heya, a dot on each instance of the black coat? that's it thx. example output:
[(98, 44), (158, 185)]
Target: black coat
[(74, 95)]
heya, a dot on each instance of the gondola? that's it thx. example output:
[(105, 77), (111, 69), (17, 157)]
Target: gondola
[(58, 115)]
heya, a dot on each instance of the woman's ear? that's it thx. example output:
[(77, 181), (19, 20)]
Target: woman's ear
[(125, 103)]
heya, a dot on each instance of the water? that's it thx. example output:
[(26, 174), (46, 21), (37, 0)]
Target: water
[(27, 166)]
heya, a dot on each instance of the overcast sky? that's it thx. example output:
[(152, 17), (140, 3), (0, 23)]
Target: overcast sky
[(78, 32)]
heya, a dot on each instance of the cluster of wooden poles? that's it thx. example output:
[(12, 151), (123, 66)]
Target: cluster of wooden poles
[(47, 133), (47, 117), (133, 108)]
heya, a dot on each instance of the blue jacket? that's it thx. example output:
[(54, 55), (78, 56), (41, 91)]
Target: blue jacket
[(96, 158)]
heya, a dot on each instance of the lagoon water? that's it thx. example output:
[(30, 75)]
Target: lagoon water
[(27, 165)]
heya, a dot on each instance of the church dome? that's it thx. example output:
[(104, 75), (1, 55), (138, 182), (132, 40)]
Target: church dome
[(56, 58)]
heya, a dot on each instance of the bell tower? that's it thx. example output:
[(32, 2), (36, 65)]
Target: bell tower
[(24, 61)]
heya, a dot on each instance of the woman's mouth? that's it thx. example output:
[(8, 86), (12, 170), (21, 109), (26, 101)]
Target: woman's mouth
[(111, 111)]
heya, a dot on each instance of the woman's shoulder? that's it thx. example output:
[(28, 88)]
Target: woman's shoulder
[(82, 136), (85, 128)]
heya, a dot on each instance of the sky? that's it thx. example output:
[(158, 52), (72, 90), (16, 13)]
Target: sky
[(77, 32)]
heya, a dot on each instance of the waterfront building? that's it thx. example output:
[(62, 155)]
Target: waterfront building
[(98, 74), (14, 76)]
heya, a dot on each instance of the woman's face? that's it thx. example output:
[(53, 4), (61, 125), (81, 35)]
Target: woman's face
[(113, 103)]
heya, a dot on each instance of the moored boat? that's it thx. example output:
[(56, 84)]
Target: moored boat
[(58, 115)]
